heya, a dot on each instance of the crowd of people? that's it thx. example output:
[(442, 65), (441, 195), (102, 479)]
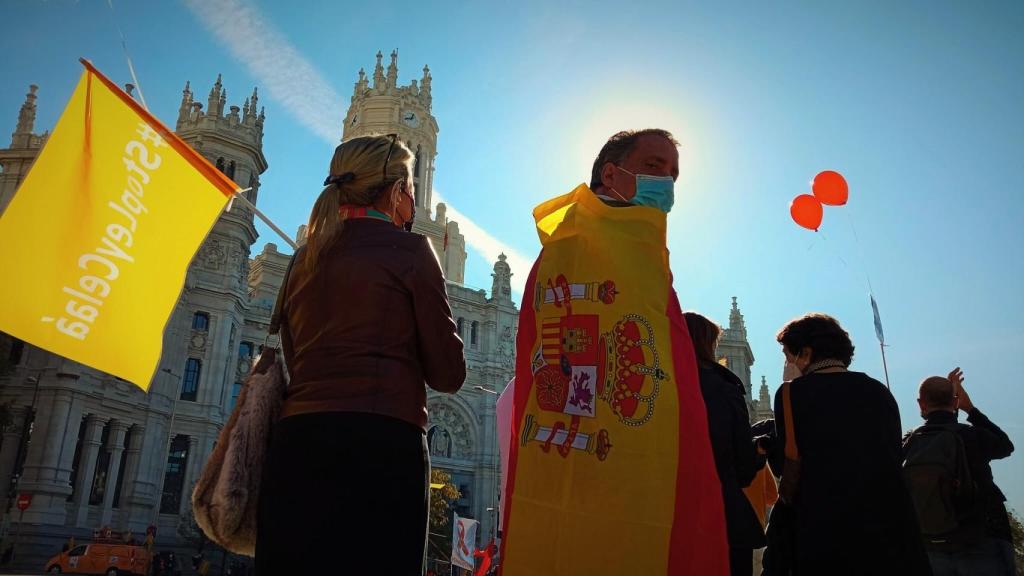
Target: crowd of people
[(366, 322), (858, 496)]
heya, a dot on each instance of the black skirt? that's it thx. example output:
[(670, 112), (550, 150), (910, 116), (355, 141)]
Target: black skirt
[(343, 493)]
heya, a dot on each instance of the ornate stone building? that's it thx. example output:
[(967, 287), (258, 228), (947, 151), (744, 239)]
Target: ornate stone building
[(97, 451)]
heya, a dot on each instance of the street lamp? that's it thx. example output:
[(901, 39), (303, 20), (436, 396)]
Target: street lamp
[(19, 459), (167, 449)]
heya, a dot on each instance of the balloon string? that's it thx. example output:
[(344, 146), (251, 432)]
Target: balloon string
[(860, 251), (834, 251)]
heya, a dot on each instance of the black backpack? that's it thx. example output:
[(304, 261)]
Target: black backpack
[(937, 474)]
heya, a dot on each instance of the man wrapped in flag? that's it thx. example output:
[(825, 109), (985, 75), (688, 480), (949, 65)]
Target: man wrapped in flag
[(102, 231), (611, 470)]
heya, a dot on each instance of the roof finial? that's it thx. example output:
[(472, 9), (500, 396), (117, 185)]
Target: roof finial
[(27, 114), (393, 70), (378, 72)]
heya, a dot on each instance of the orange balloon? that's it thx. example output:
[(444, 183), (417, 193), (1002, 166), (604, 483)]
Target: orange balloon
[(830, 188), (806, 211)]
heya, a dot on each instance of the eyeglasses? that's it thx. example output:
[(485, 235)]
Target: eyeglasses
[(384, 172)]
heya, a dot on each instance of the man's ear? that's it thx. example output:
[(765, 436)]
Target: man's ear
[(608, 175)]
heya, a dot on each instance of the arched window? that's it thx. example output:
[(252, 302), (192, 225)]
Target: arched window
[(201, 321), (245, 350), (174, 475), (99, 476), (231, 169), (190, 381), (473, 334), (220, 163), (458, 328), (439, 442), (236, 391)]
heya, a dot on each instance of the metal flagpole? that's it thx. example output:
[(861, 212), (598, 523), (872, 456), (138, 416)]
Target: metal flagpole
[(142, 99), (881, 336), (885, 367), (245, 201)]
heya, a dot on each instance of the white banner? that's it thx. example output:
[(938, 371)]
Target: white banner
[(463, 542)]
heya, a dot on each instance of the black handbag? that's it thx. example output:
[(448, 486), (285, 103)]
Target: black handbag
[(780, 556)]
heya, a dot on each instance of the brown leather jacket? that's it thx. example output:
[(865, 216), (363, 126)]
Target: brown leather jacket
[(370, 326)]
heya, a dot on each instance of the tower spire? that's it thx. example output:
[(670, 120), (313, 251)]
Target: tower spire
[(27, 114), (26, 120), (425, 87), (736, 319), (393, 70), (378, 72), (249, 110), (213, 100), (185, 109)]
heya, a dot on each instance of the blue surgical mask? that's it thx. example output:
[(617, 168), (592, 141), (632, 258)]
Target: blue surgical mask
[(653, 191)]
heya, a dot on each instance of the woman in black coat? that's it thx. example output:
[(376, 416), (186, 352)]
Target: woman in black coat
[(731, 442), (853, 513)]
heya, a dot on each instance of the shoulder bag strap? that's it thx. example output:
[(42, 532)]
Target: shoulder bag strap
[(275, 316), (791, 464), (787, 406)]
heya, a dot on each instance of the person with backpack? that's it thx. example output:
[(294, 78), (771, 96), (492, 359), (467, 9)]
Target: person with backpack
[(960, 509)]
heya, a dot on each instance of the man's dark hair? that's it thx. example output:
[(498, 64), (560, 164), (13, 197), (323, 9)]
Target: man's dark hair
[(937, 392), (819, 332), (618, 147)]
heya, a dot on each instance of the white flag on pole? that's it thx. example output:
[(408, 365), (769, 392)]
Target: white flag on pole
[(463, 542)]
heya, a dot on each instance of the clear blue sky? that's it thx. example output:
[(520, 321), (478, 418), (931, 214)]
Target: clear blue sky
[(918, 104)]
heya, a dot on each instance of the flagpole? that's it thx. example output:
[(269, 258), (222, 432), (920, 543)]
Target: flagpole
[(885, 367), (241, 198)]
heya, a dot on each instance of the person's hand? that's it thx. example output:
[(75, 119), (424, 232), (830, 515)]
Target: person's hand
[(956, 377)]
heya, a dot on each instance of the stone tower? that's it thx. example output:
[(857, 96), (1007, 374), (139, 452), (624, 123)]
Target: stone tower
[(25, 146), (206, 340), (735, 350), (384, 107), (763, 405)]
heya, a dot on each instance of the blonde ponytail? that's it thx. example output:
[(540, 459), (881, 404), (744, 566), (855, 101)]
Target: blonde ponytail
[(358, 176)]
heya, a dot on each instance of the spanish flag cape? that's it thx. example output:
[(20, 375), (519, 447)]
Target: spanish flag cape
[(611, 469)]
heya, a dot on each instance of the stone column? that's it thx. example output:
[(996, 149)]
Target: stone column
[(44, 476), (116, 448), (211, 381), (192, 465), (9, 449), (489, 464), (87, 467), (137, 434), (144, 499)]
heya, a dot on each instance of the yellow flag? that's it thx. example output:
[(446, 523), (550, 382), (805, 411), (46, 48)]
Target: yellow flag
[(99, 237)]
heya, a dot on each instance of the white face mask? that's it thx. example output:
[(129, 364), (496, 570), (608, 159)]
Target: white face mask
[(790, 372)]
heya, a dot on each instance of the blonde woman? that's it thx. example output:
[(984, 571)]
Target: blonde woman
[(365, 324)]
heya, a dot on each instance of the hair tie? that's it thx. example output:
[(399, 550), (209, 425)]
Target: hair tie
[(344, 178)]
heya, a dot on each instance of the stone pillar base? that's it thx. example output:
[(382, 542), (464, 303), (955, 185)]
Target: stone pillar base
[(46, 508)]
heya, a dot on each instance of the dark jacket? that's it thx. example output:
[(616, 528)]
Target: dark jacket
[(983, 443), (734, 450), (370, 327), (854, 514)]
